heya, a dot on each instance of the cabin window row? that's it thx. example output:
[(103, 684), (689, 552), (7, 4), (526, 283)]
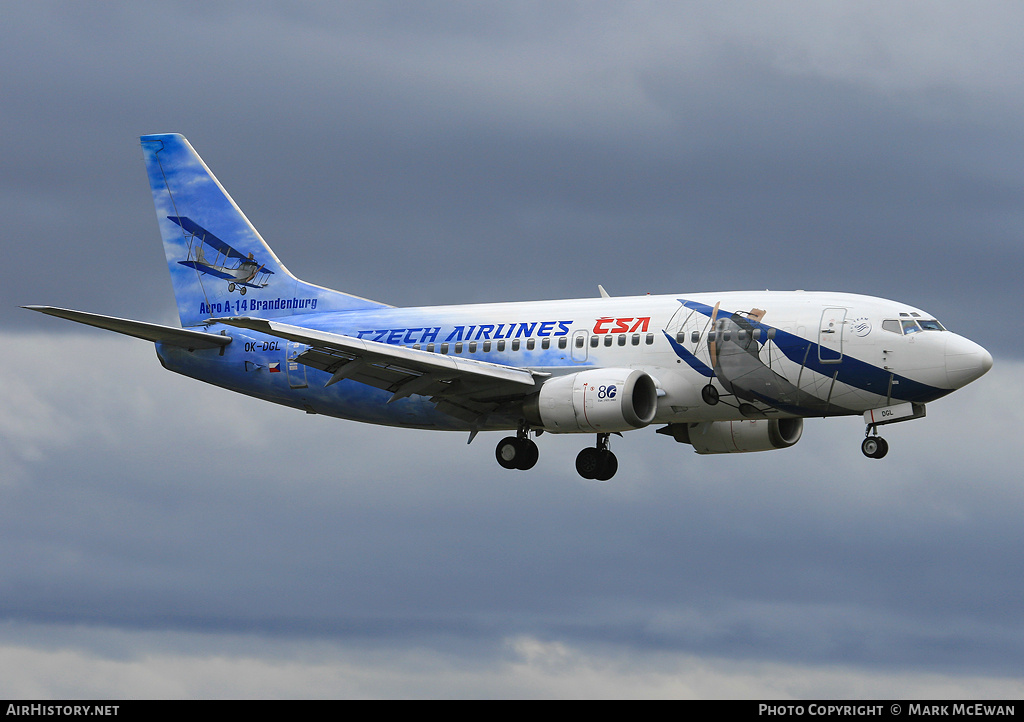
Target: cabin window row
[(488, 345), (756, 334), (613, 339), (531, 344)]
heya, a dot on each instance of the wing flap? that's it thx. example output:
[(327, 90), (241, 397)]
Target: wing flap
[(139, 329)]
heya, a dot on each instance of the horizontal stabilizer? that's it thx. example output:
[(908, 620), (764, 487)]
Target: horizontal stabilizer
[(139, 329)]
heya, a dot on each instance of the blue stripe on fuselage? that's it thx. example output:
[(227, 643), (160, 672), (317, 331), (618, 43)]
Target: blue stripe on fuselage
[(852, 371)]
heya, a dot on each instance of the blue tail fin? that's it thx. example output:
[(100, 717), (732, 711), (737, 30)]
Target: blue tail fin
[(220, 266)]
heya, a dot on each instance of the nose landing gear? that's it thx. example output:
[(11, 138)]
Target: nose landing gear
[(874, 447)]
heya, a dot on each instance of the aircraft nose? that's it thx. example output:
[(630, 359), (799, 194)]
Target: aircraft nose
[(965, 361)]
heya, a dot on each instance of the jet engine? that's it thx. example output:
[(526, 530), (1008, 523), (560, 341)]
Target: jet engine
[(729, 437), (598, 400)]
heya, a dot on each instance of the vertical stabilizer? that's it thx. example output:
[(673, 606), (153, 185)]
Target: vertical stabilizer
[(220, 266)]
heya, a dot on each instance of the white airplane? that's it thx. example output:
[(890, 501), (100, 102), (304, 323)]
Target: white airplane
[(722, 372)]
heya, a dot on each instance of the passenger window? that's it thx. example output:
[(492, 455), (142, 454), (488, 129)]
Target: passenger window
[(458, 347), (694, 336), (579, 342), (515, 344), (650, 339), (594, 340), (472, 346), (545, 343), (501, 345), (430, 348), (530, 344), (636, 339), (444, 348), (622, 339), (416, 347), (487, 346), (561, 342), (607, 340)]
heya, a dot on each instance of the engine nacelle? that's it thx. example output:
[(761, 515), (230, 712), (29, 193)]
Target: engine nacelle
[(730, 437), (599, 400)]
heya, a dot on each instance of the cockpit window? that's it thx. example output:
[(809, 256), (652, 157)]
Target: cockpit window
[(907, 326)]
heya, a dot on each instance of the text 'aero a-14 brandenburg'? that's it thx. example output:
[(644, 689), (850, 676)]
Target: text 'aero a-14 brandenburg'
[(722, 372)]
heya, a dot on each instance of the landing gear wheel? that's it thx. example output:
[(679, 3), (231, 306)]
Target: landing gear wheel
[(507, 451), (710, 395), (231, 288), (609, 465), (599, 464), (516, 453), (587, 463), (242, 290), (874, 447), (528, 456)]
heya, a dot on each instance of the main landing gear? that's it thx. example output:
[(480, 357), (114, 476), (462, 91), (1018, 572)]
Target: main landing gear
[(517, 452), (520, 452), (597, 462)]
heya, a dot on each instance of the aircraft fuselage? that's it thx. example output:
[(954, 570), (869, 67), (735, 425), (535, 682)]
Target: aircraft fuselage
[(808, 354)]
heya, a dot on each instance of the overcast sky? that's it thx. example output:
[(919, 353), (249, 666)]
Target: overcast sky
[(159, 537)]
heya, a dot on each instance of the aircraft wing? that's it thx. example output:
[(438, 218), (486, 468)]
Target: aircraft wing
[(466, 388), (139, 329)]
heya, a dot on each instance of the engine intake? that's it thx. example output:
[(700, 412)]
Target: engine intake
[(730, 437), (600, 400)]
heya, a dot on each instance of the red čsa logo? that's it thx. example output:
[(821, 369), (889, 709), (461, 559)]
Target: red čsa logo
[(607, 324)]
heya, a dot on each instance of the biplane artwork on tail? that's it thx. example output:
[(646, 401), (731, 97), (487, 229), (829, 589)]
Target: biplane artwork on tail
[(238, 269)]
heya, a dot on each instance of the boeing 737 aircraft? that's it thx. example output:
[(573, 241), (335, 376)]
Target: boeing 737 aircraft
[(722, 372)]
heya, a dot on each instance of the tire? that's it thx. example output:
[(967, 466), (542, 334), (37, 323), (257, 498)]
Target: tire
[(588, 463), (710, 395), (874, 447), (507, 452), (609, 465), (528, 454)]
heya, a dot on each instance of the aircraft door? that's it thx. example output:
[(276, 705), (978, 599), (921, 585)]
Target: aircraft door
[(296, 371), (830, 335)]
